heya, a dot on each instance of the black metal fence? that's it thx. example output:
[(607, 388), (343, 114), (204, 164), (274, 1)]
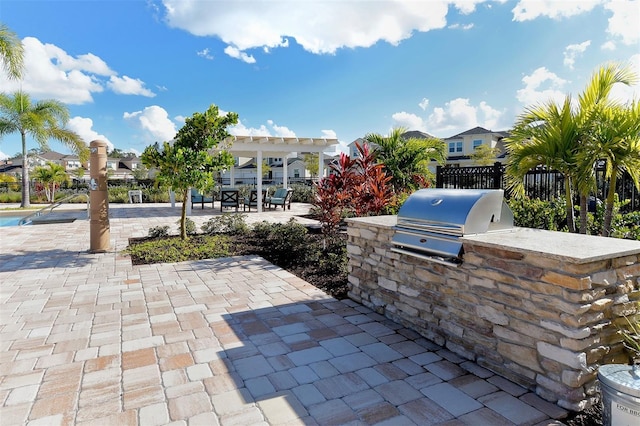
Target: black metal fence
[(538, 183)]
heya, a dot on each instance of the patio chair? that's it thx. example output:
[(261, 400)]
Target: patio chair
[(197, 197), (252, 200), (282, 197), (229, 198)]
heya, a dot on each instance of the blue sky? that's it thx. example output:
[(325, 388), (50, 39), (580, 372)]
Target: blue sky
[(131, 70)]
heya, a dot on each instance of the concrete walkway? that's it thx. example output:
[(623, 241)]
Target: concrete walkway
[(91, 339)]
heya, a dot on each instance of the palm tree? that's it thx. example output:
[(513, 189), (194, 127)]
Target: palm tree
[(42, 120), (11, 52), (50, 176), (615, 137), (407, 160), (556, 136), (544, 135)]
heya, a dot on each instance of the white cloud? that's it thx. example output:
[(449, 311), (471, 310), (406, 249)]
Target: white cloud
[(455, 116), (574, 50), (128, 86), (624, 21), (271, 129), (154, 121), (541, 86), (409, 121), (329, 134), (234, 52), (84, 128), (205, 53), (460, 26), (50, 72), (3, 156), (424, 103), (609, 45), (318, 26), (527, 10)]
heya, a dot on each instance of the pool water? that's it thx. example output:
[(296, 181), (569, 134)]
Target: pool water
[(9, 220)]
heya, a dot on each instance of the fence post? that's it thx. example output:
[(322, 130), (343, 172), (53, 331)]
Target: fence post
[(438, 176), (497, 175)]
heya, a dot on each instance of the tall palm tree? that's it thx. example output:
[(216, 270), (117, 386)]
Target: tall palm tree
[(42, 120), (544, 135), (11, 52), (615, 137), (407, 160)]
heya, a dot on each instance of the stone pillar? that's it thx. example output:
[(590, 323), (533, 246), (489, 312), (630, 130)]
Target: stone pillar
[(98, 198)]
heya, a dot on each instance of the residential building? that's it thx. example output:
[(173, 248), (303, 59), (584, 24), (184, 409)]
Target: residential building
[(460, 147)]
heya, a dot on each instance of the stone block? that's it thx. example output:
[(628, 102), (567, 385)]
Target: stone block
[(491, 314), (522, 355), (387, 284), (574, 333), (574, 379), (604, 278), (563, 356), (574, 283)]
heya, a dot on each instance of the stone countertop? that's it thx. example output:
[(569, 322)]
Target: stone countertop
[(576, 248)]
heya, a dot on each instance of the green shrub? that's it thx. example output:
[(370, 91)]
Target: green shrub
[(282, 241), (10, 197), (539, 214), (175, 249), (623, 225), (159, 231), (227, 223), (302, 193), (118, 194), (189, 226)]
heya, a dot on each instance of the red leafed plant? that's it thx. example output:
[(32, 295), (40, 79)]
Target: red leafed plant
[(357, 187)]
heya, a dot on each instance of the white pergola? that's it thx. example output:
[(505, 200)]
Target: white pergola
[(255, 146)]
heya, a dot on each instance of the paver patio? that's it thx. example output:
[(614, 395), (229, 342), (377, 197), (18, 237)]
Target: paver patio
[(90, 339)]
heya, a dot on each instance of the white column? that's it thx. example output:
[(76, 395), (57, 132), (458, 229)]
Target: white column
[(232, 178), (285, 173), (259, 188), (320, 164)]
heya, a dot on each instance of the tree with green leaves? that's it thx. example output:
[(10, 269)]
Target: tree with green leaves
[(51, 177), (311, 163), (615, 138), (484, 155), (42, 120), (11, 52), (407, 160), (558, 137), (188, 161)]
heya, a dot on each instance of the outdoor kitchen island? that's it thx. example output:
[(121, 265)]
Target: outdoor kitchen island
[(537, 307)]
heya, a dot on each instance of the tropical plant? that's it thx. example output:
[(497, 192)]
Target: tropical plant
[(11, 52), (51, 177), (561, 137), (356, 186), (42, 120), (407, 160), (615, 137), (187, 161)]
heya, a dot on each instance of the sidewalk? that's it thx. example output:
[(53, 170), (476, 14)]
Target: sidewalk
[(91, 339)]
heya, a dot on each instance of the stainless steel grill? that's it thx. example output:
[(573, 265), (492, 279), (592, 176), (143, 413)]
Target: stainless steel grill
[(431, 221)]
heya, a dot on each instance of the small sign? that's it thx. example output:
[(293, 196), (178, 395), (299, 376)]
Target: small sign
[(623, 415), (93, 184)]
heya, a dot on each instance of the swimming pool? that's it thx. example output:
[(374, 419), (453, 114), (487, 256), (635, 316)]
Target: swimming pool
[(12, 220)]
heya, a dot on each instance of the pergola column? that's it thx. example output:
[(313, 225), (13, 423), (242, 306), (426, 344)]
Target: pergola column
[(259, 186), (285, 173)]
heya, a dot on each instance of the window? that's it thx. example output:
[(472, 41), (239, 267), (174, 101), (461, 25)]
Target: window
[(455, 147), (296, 173), (477, 143)]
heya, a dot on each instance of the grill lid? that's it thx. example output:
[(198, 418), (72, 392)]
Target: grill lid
[(432, 220)]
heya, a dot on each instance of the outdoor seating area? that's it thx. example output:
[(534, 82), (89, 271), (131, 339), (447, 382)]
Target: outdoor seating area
[(252, 200)]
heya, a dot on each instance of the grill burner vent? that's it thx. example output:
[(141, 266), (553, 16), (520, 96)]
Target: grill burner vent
[(431, 221)]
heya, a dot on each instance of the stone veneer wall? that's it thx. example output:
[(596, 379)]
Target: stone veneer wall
[(543, 320)]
